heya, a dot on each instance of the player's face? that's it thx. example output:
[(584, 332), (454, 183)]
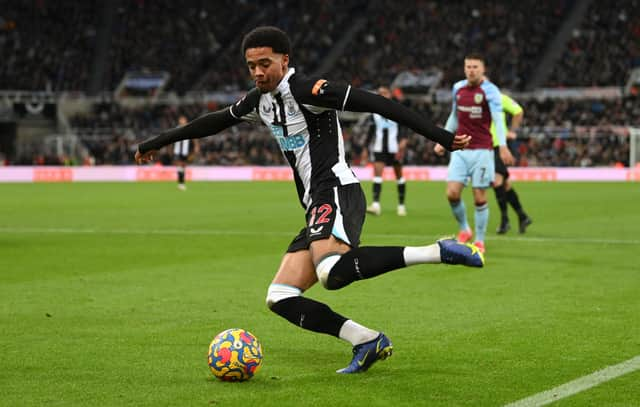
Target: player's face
[(266, 67), (474, 71)]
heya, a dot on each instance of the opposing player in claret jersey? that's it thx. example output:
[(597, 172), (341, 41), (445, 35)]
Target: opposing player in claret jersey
[(388, 145), (302, 116), (475, 103)]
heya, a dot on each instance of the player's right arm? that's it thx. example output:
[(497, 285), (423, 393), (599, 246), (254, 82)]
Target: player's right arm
[(347, 98), (203, 126), (451, 125)]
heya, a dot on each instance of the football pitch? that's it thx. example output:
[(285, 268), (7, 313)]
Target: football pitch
[(111, 292)]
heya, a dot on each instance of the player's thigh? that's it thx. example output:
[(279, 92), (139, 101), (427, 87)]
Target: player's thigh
[(459, 169), (326, 247), (397, 169), (297, 270), (454, 190), (482, 165), (378, 168), (501, 171)]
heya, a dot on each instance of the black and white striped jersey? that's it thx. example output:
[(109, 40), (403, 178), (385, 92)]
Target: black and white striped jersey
[(301, 114), (183, 148), (384, 135)]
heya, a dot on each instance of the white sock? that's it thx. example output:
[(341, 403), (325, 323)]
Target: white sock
[(356, 334), (421, 255)]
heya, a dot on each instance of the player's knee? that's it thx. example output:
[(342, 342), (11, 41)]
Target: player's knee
[(279, 292), (453, 196), (337, 271), (324, 268)]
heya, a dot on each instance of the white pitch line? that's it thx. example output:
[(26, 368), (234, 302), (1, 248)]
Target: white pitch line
[(214, 232), (579, 385)]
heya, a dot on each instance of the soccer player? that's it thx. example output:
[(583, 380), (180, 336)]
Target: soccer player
[(388, 149), (183, 152), (301, 113), (475, 104), (502, 185)]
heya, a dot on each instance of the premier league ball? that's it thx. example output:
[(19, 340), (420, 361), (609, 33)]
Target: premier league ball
[(235, 355)]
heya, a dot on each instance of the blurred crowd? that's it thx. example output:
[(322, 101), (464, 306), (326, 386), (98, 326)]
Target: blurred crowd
[(47, 45), (554, 133), (397, 38), (603, 49), (58, 45)]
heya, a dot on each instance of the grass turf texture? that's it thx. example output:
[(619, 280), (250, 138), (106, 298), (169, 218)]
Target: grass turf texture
[(111, 293)]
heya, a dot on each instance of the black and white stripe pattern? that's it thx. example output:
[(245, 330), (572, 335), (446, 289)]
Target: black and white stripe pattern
[(309, 134)]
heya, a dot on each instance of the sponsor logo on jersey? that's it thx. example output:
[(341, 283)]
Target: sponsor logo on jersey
[(290, 143), (266, 108), (475, 112)]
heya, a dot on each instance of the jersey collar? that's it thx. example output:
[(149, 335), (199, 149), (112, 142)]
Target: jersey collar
[(284, 82)]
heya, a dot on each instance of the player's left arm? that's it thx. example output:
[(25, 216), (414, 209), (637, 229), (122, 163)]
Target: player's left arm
[(403, 140), (517, 115), (203, 126), (494, 99), (344, 97)]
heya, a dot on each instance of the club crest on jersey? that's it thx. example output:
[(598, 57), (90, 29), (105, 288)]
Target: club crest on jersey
[(291, 108), (478, 98)]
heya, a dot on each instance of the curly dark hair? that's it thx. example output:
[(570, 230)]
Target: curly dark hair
[(267, 36)]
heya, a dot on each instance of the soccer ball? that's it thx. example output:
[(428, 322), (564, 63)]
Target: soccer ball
[(235, 355)]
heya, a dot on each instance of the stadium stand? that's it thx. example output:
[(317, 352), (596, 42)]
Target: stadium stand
[(46, 45), (81, 48), (603, 49)]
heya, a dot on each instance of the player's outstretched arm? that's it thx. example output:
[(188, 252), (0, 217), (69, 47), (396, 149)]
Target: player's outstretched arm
[(362, 101), (203, 126), (343, 97)]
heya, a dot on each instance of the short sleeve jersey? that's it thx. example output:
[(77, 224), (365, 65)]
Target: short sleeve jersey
[(474, 107), (509, 106)]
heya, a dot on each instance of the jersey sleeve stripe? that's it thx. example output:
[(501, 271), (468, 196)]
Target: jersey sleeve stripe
[(346, 96), (233, 114)]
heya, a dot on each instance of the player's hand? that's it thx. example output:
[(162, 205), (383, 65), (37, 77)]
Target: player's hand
[(505, 155), (399, 156), (460, 141), (146, 157), (511, 135), (439, 149)]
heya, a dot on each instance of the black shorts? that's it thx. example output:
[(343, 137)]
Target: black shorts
[(339, 211), (386, 158), (500, 167)]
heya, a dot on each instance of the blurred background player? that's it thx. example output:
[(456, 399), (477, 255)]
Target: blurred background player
[(183, 153), (475, 104), (502, 185), (388, 149)]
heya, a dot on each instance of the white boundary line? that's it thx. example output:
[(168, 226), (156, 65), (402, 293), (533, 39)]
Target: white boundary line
[(579, 385), (214, 232)]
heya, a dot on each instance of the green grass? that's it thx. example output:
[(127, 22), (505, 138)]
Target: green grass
[(110, 294)]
